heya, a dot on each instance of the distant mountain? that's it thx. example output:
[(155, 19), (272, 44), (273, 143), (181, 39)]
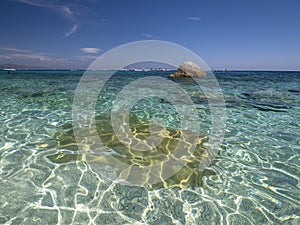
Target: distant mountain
[(32, 67), (23, 67), (150, 65)]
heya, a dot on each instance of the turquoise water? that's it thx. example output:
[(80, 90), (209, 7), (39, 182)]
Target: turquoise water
[(256, 174)]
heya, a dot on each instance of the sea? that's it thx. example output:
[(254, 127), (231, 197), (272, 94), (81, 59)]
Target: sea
[(253, 179)]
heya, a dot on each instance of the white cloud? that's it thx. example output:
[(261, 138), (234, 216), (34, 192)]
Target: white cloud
[(86, 57), (67, 12), (4, 57), (31, 56), (91, 50), (72, 31), (59, 8), (63, 10), (148, 35), (16, 50), (194, 18), (33, 3), (17, 53), (28, 56)]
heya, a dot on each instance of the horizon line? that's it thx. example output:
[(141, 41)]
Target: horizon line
[(213, 70)]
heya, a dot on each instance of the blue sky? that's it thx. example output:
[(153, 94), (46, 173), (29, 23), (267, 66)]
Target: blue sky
[(234, 34)]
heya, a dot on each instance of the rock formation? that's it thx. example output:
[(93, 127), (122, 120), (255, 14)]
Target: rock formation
[(188, 70)]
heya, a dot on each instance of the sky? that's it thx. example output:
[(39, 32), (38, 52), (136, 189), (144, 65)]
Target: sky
[(233, 34)]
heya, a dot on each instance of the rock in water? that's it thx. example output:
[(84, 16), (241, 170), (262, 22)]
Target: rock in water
[(126, 152), (187, 70)]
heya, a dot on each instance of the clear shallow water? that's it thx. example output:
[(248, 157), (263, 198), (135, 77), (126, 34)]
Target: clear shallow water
[(257, 170)]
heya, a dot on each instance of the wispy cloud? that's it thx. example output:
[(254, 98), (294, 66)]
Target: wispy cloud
[(28, 56), (17, 53), (15, 50), (86, 57), (194, 18), (72, 31), (64, 10), (91, 50), (67, 12), (148, 35), (34, 59), (32, 2), (4, 57)]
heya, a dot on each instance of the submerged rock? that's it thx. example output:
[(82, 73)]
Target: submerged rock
[(130, 153), (188, 70)]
